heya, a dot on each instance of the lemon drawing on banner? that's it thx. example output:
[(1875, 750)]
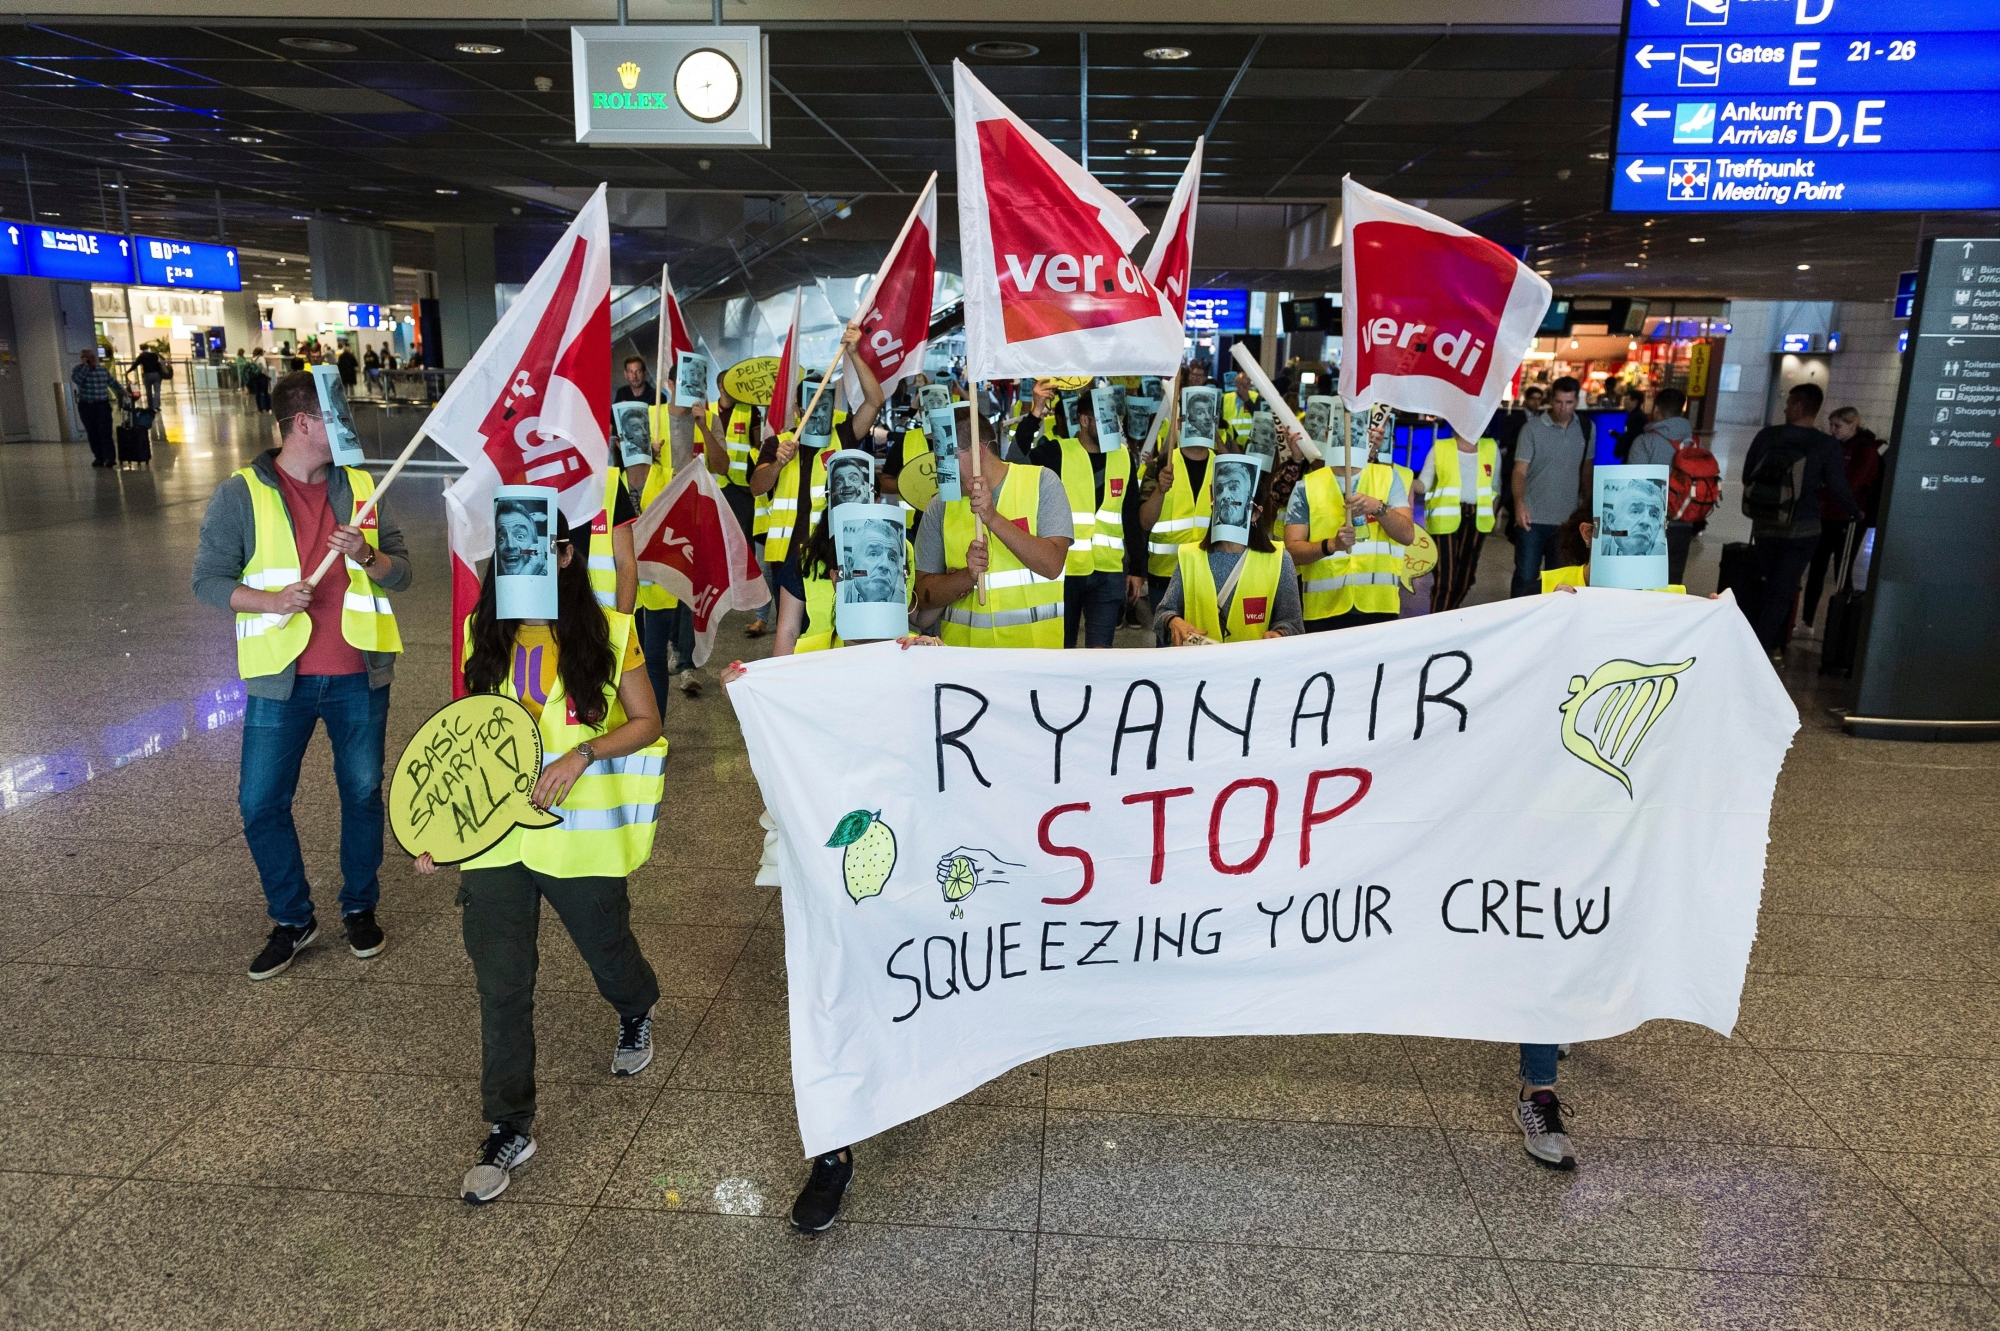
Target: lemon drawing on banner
[(869, 856), (963, 871), (1420, 556)]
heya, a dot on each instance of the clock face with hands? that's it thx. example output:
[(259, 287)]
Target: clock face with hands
[(708, 85)]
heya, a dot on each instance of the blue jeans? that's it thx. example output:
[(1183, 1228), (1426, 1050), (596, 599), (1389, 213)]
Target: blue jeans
[(1092, 601), (1532, 546), (667, 639), (1538, 1064), (275, 735)]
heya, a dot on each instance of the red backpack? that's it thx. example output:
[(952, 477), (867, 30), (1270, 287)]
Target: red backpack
[(1694, 486)]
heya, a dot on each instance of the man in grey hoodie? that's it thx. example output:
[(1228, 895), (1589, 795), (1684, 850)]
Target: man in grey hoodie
[(1667, 432)]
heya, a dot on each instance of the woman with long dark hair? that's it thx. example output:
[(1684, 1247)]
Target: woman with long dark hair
[(1227, 591), (583, 677)]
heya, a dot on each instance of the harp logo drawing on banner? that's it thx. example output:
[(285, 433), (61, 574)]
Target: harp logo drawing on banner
[(1630, 698)]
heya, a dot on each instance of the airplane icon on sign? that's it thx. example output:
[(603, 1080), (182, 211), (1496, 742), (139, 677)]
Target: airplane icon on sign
[(1707, 13), (1701, 65)]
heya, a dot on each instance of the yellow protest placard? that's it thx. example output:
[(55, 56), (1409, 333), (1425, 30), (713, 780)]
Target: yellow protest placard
[(1069, 383), (464, 779), (751, 380)]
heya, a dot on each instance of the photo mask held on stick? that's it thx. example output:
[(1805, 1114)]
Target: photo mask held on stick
[(1232, 492), (1629, 549), (340, 432), (1319, 419), (818, 431), (691, 379), (1201, 407), (872, 599), (634, 423), (524, 552), (1139, 413), (850, 478), (1107, 410), (941, 424), (1263, 446)]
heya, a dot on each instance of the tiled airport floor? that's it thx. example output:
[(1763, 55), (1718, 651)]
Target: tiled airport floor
[(182, 1148)]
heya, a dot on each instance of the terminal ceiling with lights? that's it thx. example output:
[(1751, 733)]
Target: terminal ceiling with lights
[(1494, 113)]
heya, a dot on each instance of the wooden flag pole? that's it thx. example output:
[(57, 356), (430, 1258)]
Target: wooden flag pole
[(367, 508), (972, 424)]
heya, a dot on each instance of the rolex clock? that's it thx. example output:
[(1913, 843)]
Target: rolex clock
[(671, 85)]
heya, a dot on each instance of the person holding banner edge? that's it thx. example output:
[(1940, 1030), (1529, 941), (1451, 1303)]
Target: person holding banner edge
[(307, 654), (603, 774)]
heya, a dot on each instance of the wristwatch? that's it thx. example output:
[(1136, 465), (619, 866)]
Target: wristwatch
[(373, 555), (589, 754)]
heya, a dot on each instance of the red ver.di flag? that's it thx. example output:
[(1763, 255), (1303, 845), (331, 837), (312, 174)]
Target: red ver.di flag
[(532, 405), (783, 412), (690, 543), (678, 338), (1436, 319), (1171, 260), (1048, 287), (895, 316)]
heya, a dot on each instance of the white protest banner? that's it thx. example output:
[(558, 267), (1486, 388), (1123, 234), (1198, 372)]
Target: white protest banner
[(1541, 820), (1436, 319)]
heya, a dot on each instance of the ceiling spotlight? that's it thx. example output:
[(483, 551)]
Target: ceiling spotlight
[(299, 217), (568, 141), (1167, 53), (371, 189), (244, 138), (1002, 50), (1697, 240), (317, 45), (1572, 344), (1604, 157), (446, 191), (1805, 267), (543, 83), (478, 48), (140, 136), (1631, 265), (1141, 152), (1563, 174), (702, 162)]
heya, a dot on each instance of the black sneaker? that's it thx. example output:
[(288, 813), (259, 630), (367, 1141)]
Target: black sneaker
[(504, 1150), (819, 1200), (364, 936), (284, 944), (635, 1045), (1540, 1119)]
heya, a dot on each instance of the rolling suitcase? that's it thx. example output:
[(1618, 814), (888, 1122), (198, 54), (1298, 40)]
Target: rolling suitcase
[(135, 445), (1739, 573), (1843, 619)]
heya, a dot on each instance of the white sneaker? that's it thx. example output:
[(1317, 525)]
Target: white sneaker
[(691, 683), (635, 1045), (503, 1151), (1540, 1118)]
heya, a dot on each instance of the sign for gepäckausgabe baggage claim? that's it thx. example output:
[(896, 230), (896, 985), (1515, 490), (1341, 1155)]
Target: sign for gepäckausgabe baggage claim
[(1808, 105)]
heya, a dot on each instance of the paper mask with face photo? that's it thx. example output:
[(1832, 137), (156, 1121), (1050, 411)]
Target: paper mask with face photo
[(1232, 492), (1629, 546), (1201, 406), (1319, 418), (933, 397), (941, 426), (871, 602), (333, 409), (818, 431), (635, 428), (691, 380), (850, 478), (1263, 445), (1139, 412), (524, 554), (1107, 411)]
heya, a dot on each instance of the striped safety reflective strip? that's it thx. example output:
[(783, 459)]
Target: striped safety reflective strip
[(271, 579), (1018, 577), (257, 627), (637, 764), (1332, 584), (998, 619), (606, 820), (366, 604), (605, 562), (1370, 579)]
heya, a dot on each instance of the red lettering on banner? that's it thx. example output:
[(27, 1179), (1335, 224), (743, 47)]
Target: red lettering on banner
[(1076, 853), (1060, 270), (1158, 799), (1362, 779), (1270, 789), (1428, 304)]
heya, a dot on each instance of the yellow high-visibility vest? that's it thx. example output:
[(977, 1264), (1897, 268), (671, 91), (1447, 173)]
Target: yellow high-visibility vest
[(1251, 604), (652, 596), (916, 483), (1238, 416), (1023, 608), (736, 440), (818, 634), (1441, 504), (1363, 578), (1578, 575), (609, 815), (1080, 484), (267, 643), (1182, 520), (1107, 530), (603, 563)]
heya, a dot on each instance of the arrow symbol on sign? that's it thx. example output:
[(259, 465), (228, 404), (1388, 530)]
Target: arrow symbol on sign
[(1646, 55), (1638, 171), (13, 235), (1968, 249), (1953, 341), (1642, 113)]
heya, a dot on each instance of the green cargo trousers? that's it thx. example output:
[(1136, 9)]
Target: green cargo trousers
[(502, 917)]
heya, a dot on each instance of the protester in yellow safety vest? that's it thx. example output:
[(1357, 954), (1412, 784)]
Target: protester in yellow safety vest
[(1174, 510), (1573, 544), (1224, 591), (1239, 408), (666, 628), (1096, 475), (614, 568), (1457, 488), (603, 773), (1013, 525), (307, 655), (1347, 573), (782, 461)]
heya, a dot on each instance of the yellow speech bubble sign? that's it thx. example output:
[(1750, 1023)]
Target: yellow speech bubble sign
[(1069, 383), (1419, 557), (917, 482), (464, 779), (751, 380)]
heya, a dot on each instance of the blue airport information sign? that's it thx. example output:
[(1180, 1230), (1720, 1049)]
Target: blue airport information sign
[(185, 263), (14, 249), (78, 256), (1218, 311), (1808, 105)]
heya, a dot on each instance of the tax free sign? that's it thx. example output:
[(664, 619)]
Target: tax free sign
[(1813, 105), (1007, 853)]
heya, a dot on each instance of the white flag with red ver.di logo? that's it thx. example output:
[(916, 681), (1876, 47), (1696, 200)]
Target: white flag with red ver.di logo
[(533, 404), (895, 316), (689, 542), (1434, 318), (783, 412), (1170, 263), (1048, 287)]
